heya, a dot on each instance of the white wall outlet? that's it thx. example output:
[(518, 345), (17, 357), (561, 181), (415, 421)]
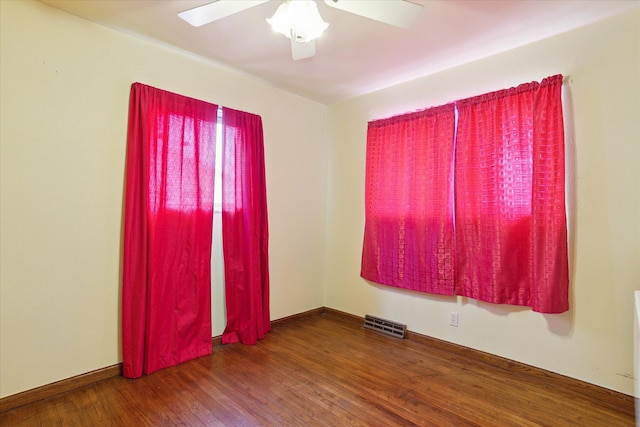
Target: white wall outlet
[(453, 318)]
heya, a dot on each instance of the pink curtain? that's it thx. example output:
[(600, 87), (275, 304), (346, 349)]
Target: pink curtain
[(505, 241), (244, 228), (166, 303), (511, 234), (409, 232), (550, 254)]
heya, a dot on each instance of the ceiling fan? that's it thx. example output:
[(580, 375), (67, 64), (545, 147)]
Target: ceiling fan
[(292, 16)]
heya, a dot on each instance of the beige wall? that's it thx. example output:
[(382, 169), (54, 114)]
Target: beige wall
[(64, 96), (594, 340)]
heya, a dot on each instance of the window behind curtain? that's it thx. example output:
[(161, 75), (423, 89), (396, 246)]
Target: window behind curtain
[(510, 243), (218, 308)]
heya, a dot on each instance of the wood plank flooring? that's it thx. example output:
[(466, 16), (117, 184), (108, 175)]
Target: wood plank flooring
[(326, 371)]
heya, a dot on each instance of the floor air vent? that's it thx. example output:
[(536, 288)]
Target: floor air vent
[(385, 326)]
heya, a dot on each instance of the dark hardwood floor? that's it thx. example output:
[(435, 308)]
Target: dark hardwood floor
[(324, 370)]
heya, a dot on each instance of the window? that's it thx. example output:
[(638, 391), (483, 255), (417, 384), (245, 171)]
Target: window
[(217, 191), (468, 199), (218, 308), (169, 204)]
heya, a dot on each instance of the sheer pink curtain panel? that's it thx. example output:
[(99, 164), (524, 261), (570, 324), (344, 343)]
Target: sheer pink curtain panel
[(245, 228), (166, 285), (511, 233), (409, 232)]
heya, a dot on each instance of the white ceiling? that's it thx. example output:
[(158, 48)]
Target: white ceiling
[(355, 55)]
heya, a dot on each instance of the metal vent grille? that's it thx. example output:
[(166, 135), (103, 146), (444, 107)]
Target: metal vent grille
[(385, 326)]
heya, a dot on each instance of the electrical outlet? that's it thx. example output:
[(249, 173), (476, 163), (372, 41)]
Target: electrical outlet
[(453, 318)]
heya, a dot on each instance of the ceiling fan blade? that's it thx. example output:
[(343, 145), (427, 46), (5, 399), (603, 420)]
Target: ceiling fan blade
[(302, 50), (219, 9), (399, 13)]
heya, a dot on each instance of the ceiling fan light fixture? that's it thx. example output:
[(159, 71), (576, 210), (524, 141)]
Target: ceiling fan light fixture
[(299, 20)]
